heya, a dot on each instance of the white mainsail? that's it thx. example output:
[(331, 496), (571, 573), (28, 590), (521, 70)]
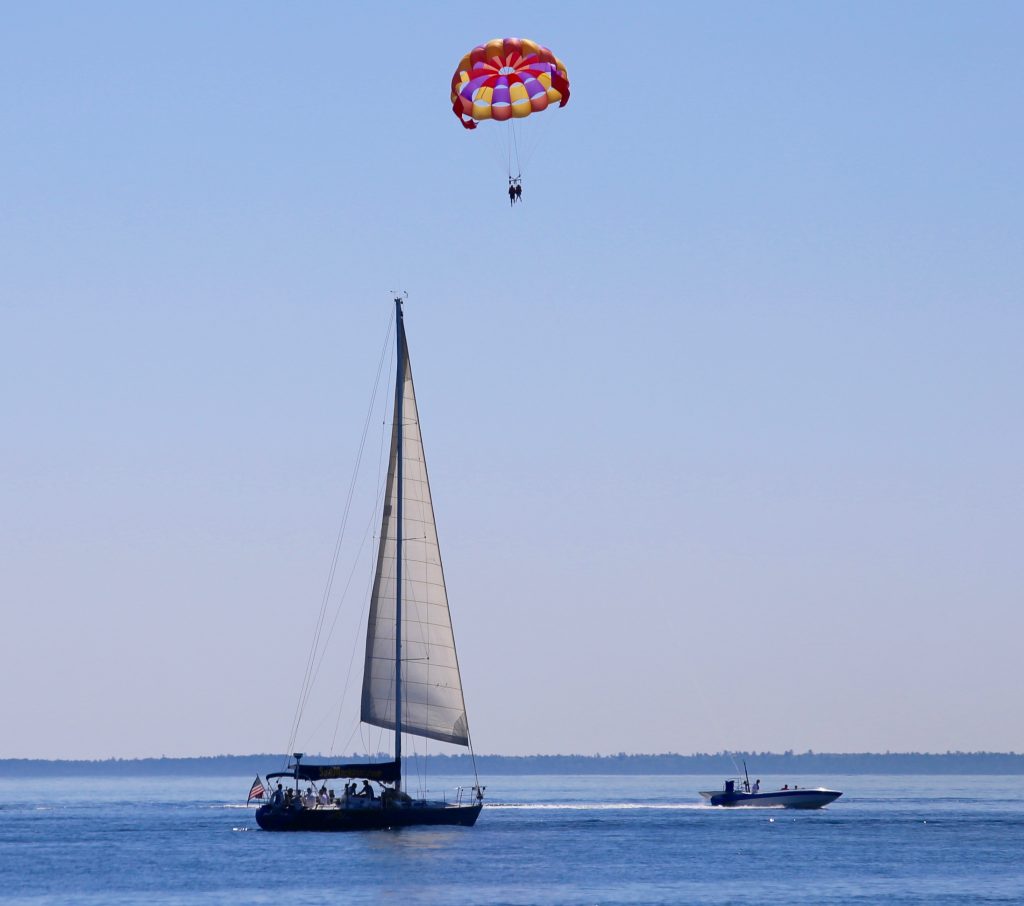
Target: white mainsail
[(432, 701)]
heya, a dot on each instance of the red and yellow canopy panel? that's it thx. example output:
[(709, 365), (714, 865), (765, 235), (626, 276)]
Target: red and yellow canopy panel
[(506, 78)]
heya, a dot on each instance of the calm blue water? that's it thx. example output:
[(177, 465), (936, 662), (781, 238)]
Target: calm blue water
[(539, 840)]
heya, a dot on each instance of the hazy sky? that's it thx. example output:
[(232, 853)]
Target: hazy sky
[(724, 422)]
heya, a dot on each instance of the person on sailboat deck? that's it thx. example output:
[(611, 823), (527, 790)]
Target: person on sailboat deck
[(757, 785), (367, 790), (277, 799)]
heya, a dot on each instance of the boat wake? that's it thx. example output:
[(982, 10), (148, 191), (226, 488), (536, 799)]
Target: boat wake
[(597, 806)]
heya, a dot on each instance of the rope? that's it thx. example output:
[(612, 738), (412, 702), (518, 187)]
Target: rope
[(355, 637), (515, 145), (538, 130), (311, 662)]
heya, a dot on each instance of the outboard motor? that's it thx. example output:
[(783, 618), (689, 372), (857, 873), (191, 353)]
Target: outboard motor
[(728, 797)]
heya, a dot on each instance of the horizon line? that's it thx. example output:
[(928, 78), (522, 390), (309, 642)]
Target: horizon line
[(724, 753)]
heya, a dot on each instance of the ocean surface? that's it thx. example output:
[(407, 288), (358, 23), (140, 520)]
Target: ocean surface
[(539, 840)]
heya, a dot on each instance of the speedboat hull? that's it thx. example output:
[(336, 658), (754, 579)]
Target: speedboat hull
[(374, 817), (776, 798)]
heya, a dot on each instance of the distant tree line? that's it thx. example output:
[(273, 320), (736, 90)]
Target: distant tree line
[(787, 763)]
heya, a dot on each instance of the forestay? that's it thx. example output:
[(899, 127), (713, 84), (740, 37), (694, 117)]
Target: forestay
[(432, 701)]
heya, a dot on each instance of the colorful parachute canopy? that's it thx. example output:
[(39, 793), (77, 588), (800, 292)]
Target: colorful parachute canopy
[(505, 78)]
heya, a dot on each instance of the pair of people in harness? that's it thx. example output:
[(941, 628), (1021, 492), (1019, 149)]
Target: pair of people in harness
[(515, 190)]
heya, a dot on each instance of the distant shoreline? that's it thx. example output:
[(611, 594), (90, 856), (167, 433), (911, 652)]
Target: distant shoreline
[(787, 763)]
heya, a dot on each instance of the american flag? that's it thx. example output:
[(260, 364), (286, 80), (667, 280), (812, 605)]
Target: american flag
[(256, 791)]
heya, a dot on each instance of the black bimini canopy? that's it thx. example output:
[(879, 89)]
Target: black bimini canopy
[(383, 772)]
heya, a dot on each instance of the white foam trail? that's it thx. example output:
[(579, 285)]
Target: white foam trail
[(597, 806)]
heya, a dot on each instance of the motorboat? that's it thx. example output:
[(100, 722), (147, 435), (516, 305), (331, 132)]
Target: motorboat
[(739, 792)]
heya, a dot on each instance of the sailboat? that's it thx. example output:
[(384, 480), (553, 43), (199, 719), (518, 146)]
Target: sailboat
[(411, 680)]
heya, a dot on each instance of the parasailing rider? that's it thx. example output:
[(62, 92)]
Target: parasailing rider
[(515, 189)]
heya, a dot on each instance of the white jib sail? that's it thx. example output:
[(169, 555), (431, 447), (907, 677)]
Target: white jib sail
[(432, 702)]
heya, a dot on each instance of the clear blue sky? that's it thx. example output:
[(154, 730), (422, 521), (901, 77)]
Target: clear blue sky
[(724, 422)]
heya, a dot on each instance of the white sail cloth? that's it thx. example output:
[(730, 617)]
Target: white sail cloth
[(432, 700)]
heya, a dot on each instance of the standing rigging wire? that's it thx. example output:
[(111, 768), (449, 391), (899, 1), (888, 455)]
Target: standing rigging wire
[(379, 498), (367, 532), (356, 639), (307, 680), (476, 775), (381, 492)]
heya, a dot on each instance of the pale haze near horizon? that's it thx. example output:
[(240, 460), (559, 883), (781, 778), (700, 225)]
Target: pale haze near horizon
[(723, 423)]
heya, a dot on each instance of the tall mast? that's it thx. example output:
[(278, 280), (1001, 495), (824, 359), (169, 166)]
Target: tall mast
[(400, 428)]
